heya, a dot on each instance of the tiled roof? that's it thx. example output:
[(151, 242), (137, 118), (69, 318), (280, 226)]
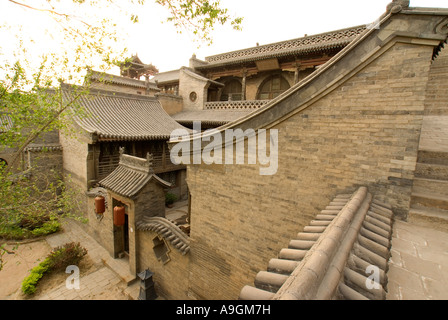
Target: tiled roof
[(125, 81), (168, 76), (120, 116), (305, 45), (131, 175), (210, 117), (334, 257), (167, 230)]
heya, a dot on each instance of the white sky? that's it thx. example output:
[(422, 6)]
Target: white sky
[(265, 21)]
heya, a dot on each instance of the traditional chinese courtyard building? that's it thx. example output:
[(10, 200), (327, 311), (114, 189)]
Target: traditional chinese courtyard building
[(227, 86), (348, 109)]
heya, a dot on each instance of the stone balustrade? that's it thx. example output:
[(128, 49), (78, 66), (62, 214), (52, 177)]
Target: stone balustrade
[(235, 105)]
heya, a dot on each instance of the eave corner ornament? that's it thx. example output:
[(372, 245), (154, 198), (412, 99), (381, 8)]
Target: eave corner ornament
[(397, 5)]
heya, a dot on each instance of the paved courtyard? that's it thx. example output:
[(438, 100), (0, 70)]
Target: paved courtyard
[(418, 269), (108, 282)]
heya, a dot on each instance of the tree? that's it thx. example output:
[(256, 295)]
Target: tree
[(78, 35)]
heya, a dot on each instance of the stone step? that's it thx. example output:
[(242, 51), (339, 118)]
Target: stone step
[(269, 281), (121, 268), (432, 157), (282, 266), (431, 171), (433, 218), (308, 236), (330, 212), (325, 217), (428, 200), (301, 244), (432, 186), (252, 293), (314, 229), (321, 223), (335, 207), (292, 254)]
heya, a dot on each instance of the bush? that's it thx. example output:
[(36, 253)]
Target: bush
[(27, 226), (61, 257), (30, 282), (47, 228), (69, 254), (170, 198)]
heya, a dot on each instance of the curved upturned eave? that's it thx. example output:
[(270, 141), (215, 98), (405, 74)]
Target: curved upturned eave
[(338, 69)]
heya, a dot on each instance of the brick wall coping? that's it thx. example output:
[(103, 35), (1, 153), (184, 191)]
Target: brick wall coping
[(331, 258)]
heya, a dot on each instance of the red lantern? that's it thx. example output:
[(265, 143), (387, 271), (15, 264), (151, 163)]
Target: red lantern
[(100, 205), (119, 213)]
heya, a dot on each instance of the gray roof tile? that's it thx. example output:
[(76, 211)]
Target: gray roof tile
[(131, 176), (118, 116)]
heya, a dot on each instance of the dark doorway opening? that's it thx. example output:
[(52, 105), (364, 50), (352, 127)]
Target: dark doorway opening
[(126, 234)]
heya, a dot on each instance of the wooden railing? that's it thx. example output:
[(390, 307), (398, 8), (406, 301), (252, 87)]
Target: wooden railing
[(161, 163)]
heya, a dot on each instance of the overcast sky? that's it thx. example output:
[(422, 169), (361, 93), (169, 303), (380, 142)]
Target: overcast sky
[(265, 21)]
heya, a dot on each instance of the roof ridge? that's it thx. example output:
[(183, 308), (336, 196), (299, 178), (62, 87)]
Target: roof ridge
[(167, 230), (222, 56), (118, 79), (107, 93)]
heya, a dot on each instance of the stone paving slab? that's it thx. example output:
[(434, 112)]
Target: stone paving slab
[(419, 263), (102, 284), (108, 282)]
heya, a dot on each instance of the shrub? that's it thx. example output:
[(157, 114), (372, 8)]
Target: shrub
[(69, 254), (47, 228), (170, 198), (27, 226), (61, 257), (30, 282)]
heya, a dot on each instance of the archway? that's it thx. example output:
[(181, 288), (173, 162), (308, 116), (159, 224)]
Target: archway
[(272, 87)]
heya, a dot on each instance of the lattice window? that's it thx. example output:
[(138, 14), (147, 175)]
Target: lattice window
[(273, 87), (161, 250), (232, 91)]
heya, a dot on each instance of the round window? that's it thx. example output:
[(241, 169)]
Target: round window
[(193, 96)]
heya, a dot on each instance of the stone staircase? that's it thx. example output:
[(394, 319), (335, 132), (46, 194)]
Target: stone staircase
[(429, 200), (331, 257)]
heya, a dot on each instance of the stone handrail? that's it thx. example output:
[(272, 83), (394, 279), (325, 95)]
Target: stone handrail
[(235, 105), (330, 259)]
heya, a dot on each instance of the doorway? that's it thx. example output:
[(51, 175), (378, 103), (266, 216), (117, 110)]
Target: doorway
[(126, 234)]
